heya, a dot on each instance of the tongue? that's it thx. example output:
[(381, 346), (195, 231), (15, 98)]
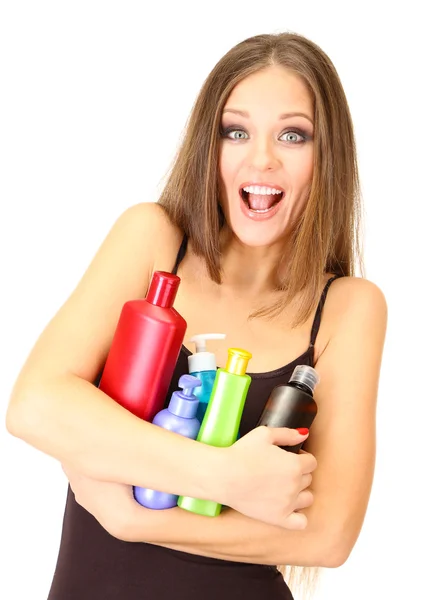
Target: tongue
[(261, 202)]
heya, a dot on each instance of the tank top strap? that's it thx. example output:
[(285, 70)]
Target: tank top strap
[(318, 314), (181, 254)]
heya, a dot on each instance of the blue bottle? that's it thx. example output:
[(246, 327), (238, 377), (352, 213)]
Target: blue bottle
[(202, 364), (179, 417)]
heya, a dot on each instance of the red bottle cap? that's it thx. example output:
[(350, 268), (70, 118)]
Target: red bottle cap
[(163, 289)]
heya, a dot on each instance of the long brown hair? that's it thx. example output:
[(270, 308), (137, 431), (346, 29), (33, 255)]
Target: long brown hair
[(326, 237)]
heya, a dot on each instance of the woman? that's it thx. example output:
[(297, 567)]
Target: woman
[(259, 220)]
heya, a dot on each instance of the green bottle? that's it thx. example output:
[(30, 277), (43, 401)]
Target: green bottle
[(223, 415)]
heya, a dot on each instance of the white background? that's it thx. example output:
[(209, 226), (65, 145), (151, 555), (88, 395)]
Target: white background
[(94, 97)]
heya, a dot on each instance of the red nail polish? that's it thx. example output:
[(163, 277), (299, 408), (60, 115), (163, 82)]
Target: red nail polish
[(302, 430)]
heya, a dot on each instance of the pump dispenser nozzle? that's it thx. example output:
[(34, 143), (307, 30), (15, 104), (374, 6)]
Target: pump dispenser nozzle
[(200, 340), (187, 383), (203, 360), (184, 403)]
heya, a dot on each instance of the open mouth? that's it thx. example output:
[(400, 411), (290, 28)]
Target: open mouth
[(261, 199)]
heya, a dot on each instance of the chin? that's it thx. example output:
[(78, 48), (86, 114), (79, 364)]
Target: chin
[(257, 237)]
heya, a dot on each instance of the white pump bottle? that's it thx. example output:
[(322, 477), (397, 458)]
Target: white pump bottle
[(203, 365)]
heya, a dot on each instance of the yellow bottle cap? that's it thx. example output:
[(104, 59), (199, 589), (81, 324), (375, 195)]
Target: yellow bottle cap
[(237, 361)]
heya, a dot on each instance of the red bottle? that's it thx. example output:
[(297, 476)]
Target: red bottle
[(145, 349)]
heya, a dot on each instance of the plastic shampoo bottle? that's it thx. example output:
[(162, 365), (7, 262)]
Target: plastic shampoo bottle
[(223, 415), (291, 404), (202, 364), (179, 417), (145, 349)]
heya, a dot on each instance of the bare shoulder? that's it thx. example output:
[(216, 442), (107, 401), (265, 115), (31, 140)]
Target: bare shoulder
[(143, 239), (154, 216), (148, 216), (78, 337), (149, 222), (355, 308), (166, 237), (356, 298)]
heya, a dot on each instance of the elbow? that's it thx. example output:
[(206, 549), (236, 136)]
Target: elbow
[(23, 416), (335, 558), (337, 550), (325, 550), (16, 417)]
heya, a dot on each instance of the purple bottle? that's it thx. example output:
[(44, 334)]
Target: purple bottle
[(180, 418)]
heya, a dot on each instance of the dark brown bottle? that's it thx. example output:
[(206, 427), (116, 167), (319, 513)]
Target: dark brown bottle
[(291, 404)]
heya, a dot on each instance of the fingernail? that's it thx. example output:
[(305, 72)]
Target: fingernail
[(302, 430)]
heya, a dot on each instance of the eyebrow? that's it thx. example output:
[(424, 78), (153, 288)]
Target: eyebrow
[(288, 115)]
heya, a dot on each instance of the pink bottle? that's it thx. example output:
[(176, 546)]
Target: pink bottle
[(145, 349)]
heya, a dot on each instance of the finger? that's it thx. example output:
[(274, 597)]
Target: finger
[(304, 500), (284, 436), (307, 462), (306, 481), (295, 522)]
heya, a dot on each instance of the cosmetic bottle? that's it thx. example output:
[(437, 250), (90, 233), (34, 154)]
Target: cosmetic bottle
[(202, 364), (145, 348), (179, 417), (220, 425), (291, 404)]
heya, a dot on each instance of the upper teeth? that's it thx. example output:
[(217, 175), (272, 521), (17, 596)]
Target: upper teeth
[(261, 190)]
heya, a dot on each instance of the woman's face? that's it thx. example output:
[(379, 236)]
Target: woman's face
[(266, 155)]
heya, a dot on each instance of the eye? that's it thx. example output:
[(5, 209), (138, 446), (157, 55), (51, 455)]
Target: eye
[(293, 137), (234, 133)]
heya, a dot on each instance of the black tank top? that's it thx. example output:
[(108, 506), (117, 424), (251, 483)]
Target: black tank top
[(93, 565)]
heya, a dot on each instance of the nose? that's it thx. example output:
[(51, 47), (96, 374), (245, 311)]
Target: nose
[(262, 155)]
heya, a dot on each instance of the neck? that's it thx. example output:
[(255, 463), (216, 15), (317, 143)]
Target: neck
[(254, 271)]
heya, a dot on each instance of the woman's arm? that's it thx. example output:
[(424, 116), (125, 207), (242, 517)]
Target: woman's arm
[(342, 438), (55, 407)]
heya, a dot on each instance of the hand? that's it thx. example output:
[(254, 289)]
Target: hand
[(267, 483), (112, 504)]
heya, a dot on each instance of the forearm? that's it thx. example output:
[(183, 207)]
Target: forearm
[(76, 423), (232, 536)]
